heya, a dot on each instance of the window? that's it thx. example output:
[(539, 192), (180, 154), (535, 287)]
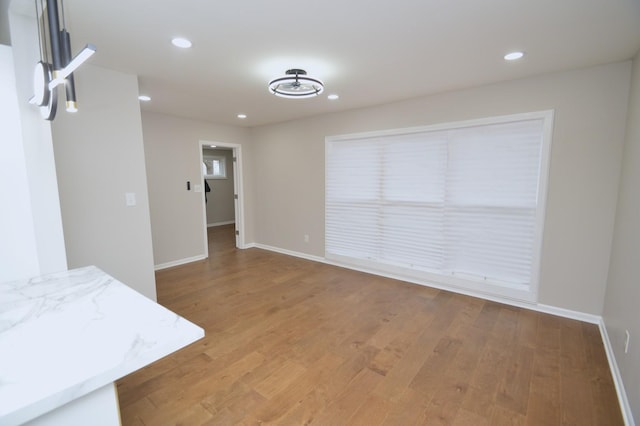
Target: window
[(457, 205), (216, 166)]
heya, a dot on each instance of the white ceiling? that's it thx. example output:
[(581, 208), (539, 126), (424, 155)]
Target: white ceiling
[(368, 52)]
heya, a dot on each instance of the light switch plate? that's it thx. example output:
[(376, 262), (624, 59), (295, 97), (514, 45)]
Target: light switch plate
[(130, 198)]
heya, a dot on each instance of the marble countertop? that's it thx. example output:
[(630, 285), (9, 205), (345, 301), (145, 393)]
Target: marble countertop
[(67, 334)]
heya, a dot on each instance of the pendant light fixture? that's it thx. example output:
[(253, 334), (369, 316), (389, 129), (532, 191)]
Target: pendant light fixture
[(49, 75), (296, 84)]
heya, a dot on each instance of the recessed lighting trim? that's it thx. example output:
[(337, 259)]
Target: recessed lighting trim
[(181, 42), (144, 98), (333, 97), (242, 116), (512, 56)]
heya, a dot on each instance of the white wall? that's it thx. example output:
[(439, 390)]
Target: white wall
[(172, 147), (31, 230), (18, 251), (623, 290), (590, 109), (99, 156)]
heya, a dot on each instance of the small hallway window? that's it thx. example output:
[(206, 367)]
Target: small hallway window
[(216, 167)]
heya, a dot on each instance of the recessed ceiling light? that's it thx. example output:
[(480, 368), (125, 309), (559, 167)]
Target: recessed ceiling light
[(144, 98), (181, 42), (333, 97), (242, 116), (513, 56), (212, 146)]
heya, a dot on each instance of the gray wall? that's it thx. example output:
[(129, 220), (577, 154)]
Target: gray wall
[(172, 148), (220, 204), (590, 110), (99, 157), (623, 290), (5, 36)]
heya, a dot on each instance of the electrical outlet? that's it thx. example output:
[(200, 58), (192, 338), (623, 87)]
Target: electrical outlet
[(626, 341), (306, 238)]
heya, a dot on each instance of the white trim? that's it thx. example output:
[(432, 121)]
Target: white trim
[(290, 253), (179, 262), (229, 222), (627, 414), (567, 313), (543, 186), (238, 190), (203, 201), (544, 114)]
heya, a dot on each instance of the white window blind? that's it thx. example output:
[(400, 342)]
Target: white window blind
[(459, 206)]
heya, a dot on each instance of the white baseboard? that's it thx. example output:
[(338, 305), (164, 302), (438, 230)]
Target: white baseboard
[(567, 313), (229, 222), (288, 252), (178, 262), (627, 414)]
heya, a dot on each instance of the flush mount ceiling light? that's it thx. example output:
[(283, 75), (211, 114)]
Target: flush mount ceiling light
[(144, 98), (296, 84)]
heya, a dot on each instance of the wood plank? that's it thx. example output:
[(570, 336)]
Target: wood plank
[(402, 374), (429, 378), (575, 387), (504, 417), (544, 396), (407, 409), (347, 402), (603, 392), (445, 402), (284, 376), (513, 390), (467, 418), (373, 411), (275, 408), (329, 388)]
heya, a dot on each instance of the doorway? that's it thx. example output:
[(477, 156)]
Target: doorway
[(221, 171)]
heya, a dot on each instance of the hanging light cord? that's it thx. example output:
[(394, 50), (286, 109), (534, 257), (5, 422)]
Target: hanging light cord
[(40, 30), (64, 22)]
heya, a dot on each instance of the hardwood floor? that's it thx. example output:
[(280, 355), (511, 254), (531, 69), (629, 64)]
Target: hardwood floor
[(290, 341)]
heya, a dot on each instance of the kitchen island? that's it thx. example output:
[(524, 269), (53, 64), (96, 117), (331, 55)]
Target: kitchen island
[(65, 338)]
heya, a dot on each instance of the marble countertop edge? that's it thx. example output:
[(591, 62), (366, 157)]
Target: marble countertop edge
[(67, 334), (64, 396)]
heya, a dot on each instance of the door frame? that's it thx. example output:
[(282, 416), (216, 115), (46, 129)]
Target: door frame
[(238, 190)]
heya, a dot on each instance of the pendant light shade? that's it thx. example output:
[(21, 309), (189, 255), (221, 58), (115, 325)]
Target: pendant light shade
[(56, 66), (296, 84)]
